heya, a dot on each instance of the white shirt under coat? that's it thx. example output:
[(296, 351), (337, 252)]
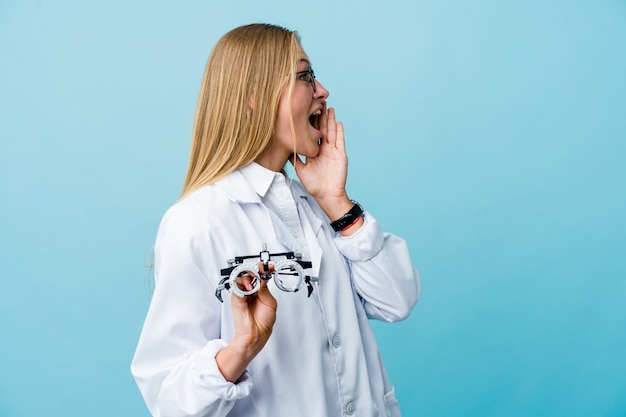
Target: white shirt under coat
[(322, 358)]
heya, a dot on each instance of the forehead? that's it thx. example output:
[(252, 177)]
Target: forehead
[(303, 59)]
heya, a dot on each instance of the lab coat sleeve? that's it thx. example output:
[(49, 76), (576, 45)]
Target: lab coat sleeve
[(174, 364), (381, 270)]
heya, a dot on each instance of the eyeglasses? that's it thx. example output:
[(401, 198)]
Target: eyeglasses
[(309, 76)]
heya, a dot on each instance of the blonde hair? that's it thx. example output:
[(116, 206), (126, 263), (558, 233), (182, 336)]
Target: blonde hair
[(241, 89)]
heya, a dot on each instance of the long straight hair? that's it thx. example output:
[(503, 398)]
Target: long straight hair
[(242, 85)]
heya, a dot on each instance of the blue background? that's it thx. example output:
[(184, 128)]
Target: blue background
[(489, 134)]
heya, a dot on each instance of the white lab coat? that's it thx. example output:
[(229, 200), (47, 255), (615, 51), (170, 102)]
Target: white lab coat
[(322, 358)]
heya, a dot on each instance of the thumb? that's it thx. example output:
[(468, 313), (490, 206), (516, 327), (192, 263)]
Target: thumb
[(264, 296)]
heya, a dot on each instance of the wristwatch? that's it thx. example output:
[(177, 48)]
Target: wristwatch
[(349, 218)]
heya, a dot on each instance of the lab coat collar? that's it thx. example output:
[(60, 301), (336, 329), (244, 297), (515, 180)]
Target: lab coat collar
[(250, 183), (259, 177), (237, 188)]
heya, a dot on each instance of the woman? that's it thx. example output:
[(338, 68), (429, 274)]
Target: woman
[(310, 352)]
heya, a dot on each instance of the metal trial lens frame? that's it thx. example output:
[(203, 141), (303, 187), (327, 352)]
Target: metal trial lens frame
[(285, 263)]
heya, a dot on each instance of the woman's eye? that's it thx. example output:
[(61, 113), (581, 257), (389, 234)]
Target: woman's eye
[(305, 77)]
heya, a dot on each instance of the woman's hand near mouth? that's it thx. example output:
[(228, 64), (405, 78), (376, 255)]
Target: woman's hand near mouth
[(324, 176)]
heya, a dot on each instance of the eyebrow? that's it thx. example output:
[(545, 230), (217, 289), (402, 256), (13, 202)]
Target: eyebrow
[(306, 61)]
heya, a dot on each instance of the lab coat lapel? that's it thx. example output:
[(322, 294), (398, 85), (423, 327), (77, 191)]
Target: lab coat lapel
[(312, 228)]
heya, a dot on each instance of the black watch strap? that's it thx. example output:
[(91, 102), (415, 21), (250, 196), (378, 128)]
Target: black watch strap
[(349, 218)]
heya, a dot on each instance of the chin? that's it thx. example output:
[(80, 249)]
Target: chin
[(314, 151), (309, 152)]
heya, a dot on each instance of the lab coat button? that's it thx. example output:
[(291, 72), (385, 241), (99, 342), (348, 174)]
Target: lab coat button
[(336, 341), (351, 408)]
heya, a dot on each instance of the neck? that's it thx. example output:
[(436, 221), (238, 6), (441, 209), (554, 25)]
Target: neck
[(271, 160)]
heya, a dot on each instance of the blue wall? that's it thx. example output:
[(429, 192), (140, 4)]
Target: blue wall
[(491, 135)]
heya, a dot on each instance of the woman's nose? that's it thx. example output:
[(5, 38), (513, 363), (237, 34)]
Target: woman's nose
[(320, 91)]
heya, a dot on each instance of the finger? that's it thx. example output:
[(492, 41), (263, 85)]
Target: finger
[(246, 281), (270, 267), (249, 282), (324, 121), (239, 304), (341, 143), (331, 135), (264, 296)]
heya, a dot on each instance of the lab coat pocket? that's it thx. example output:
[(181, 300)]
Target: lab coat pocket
[(391, 404)]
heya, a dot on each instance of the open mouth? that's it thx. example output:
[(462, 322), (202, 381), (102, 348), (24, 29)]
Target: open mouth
[(314, 119)]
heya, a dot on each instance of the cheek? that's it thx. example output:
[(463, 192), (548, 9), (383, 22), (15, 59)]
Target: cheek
[(282, 119)]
